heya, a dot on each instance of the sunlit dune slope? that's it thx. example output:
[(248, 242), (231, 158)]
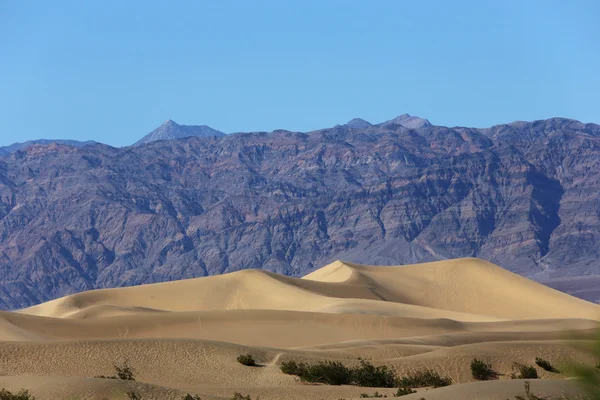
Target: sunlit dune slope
[(462, 290)]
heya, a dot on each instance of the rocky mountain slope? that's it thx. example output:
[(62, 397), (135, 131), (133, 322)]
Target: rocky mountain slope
[(524, 195), (4, 150), (172, 130)]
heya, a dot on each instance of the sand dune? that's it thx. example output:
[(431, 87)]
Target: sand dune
[(464, 289), (185, 335)]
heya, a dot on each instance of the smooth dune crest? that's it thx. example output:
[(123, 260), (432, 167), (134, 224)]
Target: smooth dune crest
[(462, 289)]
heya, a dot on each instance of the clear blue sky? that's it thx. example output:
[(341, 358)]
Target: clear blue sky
[(114, 70)]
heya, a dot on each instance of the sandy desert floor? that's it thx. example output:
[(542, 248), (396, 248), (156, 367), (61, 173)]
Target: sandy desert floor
[(184, 337)]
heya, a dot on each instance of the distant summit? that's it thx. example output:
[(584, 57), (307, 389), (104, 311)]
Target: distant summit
[(409, 121), (172, 130), (22, 145), (358, 123)]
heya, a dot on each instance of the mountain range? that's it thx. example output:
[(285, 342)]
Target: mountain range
[(5, 150), (524, 195)]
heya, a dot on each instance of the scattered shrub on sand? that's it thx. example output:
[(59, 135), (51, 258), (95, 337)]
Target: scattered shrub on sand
[(292, 367), (545, 365), (375, 395), (528, 394), (403, 391), (191, 397), (480, 370), (21, 395), (247, 360), (134, 395), (328, 372), (425, 378), (524, 371), (336, 373), (123, 372), (365, 375), (368, 375), (239, 396)]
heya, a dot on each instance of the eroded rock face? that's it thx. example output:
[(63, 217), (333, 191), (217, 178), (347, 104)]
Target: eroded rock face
[(525, 196)]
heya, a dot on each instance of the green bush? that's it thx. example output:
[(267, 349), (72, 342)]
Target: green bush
[(367, 375), (239, 396), (292, 367), (191, 397), (403, 391), (336, 373), (425, 378), (480, 370), (247, 359), (21, 395), (545, 364), (524, 372), (375, 395), (123, 372), (134, 395), (328, 372)]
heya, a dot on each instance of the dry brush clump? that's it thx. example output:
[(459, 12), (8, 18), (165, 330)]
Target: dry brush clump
[(524, 371), (247, 360), (21, 395), (123, 372), (365, 375), (481, 370)]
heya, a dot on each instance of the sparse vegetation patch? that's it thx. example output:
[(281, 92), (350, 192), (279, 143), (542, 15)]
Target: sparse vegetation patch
[(528, 394), (545, 365), (21, 395), (365, 375), (480, 370), (247, 359), (123, 372), (424, 378), (524, 371), (403, 391)]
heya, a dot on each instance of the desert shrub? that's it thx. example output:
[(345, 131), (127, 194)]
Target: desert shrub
[(545, 364), (524, 372), (247, 359), (191, 397), (403, 391), (375, 395), (239, 396), (336, 373), (480, 370), (21, 395), (328, 372), (292, 367), (424, 378), (368, 375), (134, 395), (528, 394), (123, 372)]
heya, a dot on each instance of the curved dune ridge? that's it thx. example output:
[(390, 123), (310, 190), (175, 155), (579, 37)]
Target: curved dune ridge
[(463, 290), (184, 336)]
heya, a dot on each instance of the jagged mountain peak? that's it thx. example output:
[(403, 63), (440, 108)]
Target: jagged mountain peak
[(170, 130), (409, 121), (358, 123)]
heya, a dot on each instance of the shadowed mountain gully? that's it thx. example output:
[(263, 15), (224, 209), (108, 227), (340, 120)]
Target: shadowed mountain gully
[(524, 195)]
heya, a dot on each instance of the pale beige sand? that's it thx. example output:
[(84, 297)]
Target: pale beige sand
[(185, 336)]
